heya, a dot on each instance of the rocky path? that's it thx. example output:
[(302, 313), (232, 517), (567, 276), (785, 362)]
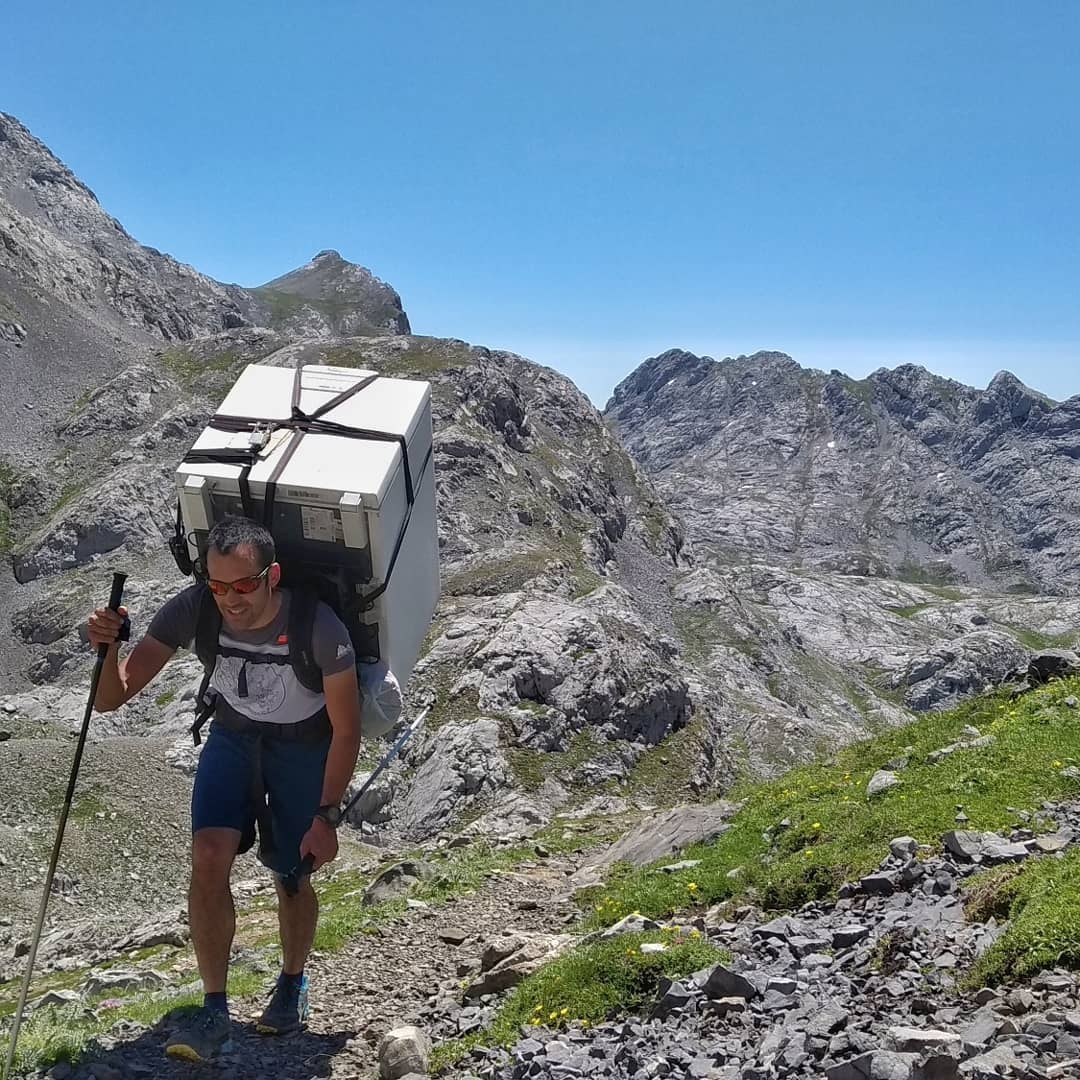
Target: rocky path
[(375, 983)]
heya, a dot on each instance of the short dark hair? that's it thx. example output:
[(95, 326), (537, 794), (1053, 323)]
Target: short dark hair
[(231, 533)]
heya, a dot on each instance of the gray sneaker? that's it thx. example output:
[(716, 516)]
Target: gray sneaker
[(287, 1011), (203, 1037)]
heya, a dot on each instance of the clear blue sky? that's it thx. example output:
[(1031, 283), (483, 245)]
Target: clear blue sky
[(591, 182)]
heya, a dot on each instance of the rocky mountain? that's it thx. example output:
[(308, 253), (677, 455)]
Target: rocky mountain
[(903, 474), (586, 658), (79, 297), (328, 296)]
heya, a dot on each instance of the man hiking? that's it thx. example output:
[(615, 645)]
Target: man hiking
[(277, 751)]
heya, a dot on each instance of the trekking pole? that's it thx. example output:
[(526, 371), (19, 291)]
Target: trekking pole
[(291, 883), (114, 604)]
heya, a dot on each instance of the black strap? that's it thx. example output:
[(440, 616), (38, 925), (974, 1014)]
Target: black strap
[(207, 628), (312, 729), (306, 425), (272, 482), (246, 459), (302, 605), (370, 598), (205, 703), (260, 808)]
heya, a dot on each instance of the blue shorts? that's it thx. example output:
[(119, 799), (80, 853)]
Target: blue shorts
[(292, 775)]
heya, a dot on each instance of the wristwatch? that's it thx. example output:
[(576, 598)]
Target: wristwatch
[(330, 814)]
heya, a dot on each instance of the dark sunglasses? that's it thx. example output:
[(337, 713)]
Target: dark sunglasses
[(243, 585)]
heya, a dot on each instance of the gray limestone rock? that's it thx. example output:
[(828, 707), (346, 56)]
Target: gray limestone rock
[(659, 836), (881, 781), (404, 1050), (463, 762)]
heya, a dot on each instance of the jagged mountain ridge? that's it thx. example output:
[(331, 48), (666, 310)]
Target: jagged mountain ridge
[(80, 298), (902, 474)]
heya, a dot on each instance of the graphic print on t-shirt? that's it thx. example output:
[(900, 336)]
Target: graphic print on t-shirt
[(265, 682)]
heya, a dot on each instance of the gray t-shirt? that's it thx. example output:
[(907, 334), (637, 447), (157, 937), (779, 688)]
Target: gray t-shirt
[(253, 676)]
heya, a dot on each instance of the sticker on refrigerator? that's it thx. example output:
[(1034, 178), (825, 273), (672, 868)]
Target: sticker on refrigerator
[(318, 524)]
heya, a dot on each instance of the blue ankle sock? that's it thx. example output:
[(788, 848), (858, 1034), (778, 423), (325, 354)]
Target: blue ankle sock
[(216, 1001), (291, 980)]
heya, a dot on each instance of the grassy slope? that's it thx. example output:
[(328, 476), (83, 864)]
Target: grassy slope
[(835, 833)]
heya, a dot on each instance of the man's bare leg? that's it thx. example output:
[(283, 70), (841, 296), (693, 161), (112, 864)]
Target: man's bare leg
[(297, 918), (210, 904)]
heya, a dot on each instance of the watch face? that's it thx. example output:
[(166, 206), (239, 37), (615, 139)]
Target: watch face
[(331, 815)]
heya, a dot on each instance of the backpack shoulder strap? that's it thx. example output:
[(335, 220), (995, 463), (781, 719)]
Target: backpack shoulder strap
[(302, 605), (207, 628)]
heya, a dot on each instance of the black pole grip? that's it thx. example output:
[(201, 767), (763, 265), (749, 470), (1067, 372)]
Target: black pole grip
[(115, 596), (117, 593)]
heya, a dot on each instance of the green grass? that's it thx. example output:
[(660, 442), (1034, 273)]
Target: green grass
[(863, 389), (165, 699), (837, 834), (532, 767), (592, 983), (1037, 641), (65, 1033), (283, 306), (502, 574), (88, 804), (9, 476), (187, 368), (342, 915), (1041, 900), (68, 494), (663, 773), (421, 360), (910, 612), (917, 574)]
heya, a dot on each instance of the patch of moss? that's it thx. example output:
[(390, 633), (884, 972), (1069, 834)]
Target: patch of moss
[(9, 475), (915, 573), (187, 368), (423, 358), (1037, 641), (911, 611)]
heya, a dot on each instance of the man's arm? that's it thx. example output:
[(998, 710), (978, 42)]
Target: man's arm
[(122, 680), (343, 707)]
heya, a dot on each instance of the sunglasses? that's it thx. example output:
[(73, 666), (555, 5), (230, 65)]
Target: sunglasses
[(243, 585)]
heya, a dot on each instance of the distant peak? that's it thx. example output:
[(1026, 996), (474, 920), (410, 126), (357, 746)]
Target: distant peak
[(328, 254)]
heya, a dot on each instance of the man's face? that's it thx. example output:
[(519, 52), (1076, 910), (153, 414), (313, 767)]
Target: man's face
[(242, 611)]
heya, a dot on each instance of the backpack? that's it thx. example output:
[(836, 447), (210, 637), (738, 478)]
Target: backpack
[(340, 588)]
